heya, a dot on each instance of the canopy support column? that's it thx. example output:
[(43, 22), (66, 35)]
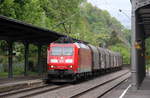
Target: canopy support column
[(10, 59), (134, 62), (26, 55), (39, 59)]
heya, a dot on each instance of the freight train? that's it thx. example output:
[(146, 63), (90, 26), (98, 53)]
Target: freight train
[(75, 61)]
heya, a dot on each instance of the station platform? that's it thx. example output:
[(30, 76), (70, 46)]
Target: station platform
[(125, 91), (143, 92), (19, 82)]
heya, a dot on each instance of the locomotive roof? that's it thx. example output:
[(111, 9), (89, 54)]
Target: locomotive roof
[(81, 45), (103, 50)]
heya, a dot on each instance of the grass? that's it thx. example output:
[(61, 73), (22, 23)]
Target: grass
[(3, 74)]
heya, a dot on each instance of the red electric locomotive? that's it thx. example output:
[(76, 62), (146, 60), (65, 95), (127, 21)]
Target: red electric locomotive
[(68, 61), (72, 61)]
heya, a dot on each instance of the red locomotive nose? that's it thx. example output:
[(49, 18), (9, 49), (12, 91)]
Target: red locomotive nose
[(62, 56)]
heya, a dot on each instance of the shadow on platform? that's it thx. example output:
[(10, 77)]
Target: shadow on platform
[(146, 84)]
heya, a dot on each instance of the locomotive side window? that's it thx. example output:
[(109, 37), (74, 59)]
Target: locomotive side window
[(68, 51), (56, 51)]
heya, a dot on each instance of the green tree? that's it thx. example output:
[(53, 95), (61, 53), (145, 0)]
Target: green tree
[(76, 18)]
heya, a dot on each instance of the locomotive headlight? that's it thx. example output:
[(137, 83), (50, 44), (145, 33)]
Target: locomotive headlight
[(70, 66), (68, 60), (52, 66), (54, 61)]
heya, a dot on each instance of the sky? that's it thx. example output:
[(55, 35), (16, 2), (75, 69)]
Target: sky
[(113, 6)]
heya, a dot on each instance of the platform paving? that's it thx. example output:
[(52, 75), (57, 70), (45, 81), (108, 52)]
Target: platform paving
[(19, 82), (143, 92)]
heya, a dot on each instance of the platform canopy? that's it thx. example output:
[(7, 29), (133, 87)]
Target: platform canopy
[(14, 30), (144, 14), (140, 31), (142, 10)]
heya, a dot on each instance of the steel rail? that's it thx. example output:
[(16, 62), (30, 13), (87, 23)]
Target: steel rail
[(104, 83), (32, 91)]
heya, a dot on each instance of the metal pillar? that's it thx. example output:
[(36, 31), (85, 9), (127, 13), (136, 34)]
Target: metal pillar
[(10, 59), (144, 63), (134, 62), (138, 59), (26, 55), (39, 59), (143, 59), (140, 67)]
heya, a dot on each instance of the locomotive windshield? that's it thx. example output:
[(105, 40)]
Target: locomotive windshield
[(66, 51), (56, 51)]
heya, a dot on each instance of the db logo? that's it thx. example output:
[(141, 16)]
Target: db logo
[(60, 61)]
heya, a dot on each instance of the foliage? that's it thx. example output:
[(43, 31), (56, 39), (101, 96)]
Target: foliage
[(18, 69), (76, 18), (3, 74), (147, 44)]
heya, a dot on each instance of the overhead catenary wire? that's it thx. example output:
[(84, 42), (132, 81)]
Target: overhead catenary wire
[(62, 22), (124, 14), (65, 20)]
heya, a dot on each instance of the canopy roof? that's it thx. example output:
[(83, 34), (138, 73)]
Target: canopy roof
[(142, 10), (14, 30)]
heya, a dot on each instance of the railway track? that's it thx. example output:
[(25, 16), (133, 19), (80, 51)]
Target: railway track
[(103, 88), (89, 89), (28, 92)]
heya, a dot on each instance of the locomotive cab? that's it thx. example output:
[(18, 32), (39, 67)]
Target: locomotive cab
[(61, 61)]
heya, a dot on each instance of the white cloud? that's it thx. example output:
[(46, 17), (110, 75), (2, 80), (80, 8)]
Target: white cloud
[(113, 7)]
